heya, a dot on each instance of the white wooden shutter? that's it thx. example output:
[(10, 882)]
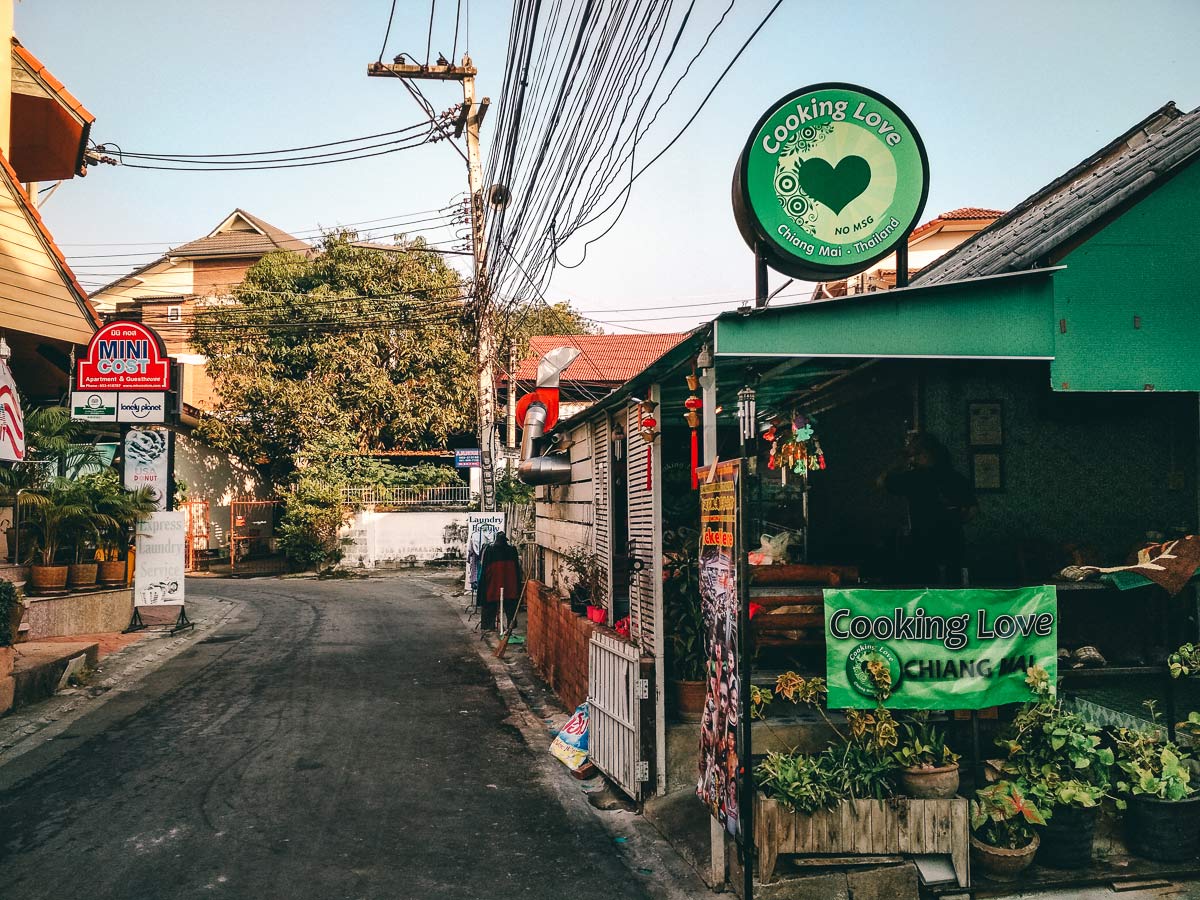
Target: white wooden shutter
[(645, 532), (602, 534)]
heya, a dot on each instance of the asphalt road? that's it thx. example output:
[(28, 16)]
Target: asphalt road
[(333, 740)]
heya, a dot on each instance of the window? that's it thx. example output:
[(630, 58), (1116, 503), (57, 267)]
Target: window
[(175, 313)]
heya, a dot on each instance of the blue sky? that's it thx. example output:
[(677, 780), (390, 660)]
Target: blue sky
[(1006, 96)]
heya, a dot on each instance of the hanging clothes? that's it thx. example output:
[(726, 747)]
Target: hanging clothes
[(499, 576)]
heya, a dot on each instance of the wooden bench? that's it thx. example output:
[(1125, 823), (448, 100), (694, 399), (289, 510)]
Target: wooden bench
[(793, 605)]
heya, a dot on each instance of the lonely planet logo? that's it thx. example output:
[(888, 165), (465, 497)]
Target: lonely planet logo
[(140, 407)]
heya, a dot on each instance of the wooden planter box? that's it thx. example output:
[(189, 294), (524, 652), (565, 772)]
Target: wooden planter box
[(865, 828)]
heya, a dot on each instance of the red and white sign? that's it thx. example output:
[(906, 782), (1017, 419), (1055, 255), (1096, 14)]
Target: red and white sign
[(124, 356), (12, 422)]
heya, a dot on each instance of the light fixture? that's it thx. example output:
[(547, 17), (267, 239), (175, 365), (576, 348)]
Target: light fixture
[(5, 350)]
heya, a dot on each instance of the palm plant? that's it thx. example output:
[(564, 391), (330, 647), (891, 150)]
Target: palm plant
[(117, 511), (55, 514), (52, 448)]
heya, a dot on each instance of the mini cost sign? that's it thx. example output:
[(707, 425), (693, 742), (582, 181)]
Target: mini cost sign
[(832, 178), (124, 356)]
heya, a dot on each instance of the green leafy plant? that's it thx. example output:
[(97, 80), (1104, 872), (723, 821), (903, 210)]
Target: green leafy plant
[(760, 699), (9, 600), (117, 511), (1151, 765), (1184, 662), (512, 491), (588, 572), (922, 746), (57, 516), (681, 602), (1054, 755), (310, 530), (1003, 816)]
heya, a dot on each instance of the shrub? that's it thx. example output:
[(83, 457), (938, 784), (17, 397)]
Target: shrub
[(313, 517)]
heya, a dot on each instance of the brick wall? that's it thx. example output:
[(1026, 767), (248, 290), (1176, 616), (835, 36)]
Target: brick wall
[(557, 642)]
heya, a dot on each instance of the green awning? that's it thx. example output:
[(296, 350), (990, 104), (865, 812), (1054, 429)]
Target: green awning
[(1002, 317)]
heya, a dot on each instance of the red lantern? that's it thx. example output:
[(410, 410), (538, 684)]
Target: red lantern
[(693, 403), (649, 423)]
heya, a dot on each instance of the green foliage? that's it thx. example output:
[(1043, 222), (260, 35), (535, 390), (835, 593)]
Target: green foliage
[(681, 604), (1003, 816), (1184, 662), (1151, 765), (368, 347), (313, 515), (510, 490), (588, 571), (116, 510), (923, 746), (1053, 755), (59, 515), (9, 599), (537, 318), (52, 448)]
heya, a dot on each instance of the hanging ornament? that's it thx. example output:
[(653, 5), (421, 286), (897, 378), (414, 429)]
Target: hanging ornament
[(693, 405), (647, 425)]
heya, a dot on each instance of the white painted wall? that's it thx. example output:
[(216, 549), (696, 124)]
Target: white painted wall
[(394, 538), (218, 478)]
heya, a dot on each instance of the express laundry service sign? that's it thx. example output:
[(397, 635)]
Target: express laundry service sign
[(945, 649), (833, 177)]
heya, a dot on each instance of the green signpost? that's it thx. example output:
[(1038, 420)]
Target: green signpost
[(833, 177), (945, 649)]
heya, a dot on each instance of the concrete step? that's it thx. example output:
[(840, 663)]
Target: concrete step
[(38, 666)]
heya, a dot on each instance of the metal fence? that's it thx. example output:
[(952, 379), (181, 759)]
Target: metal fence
[(454, 495)]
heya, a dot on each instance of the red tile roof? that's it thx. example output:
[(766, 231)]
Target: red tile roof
[(956, 215), (35, 217), (51, 82), (605, 358)]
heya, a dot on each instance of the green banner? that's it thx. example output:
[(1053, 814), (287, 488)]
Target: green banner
[(944, 649)]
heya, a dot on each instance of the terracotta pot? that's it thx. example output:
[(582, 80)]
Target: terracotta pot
[(1000, 863), (688, 697), (1164, 830), (83, 575), (113, 572), (937, 783), (43, 579)]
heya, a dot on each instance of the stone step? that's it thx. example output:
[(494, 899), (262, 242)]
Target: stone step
[(38, 666)]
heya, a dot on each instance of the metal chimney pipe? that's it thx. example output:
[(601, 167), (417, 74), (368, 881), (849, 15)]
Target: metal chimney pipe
[(540, 469)]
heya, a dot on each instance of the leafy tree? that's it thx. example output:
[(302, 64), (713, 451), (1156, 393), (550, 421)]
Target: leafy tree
[(365, 347), (533, 319)]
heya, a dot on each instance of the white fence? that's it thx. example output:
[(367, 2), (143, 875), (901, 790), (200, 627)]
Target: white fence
[(454, 495)]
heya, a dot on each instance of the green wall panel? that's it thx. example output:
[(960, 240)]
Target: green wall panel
[(1141, 265)]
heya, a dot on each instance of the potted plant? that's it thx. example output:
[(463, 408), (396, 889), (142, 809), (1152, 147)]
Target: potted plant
[(928, 767), (1003, 839), (1154, 787), (590, 579), (688, 659), (119, 511), (1057, 758), (53, 514)]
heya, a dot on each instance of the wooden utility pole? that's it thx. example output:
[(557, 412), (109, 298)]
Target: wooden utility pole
[(469, 120)]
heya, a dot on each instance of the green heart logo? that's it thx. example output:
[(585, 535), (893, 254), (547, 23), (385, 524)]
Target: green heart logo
[(835, 186)]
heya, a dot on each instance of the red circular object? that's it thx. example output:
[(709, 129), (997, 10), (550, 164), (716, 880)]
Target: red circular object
[(548, 397), (649, 422), (693, 403)]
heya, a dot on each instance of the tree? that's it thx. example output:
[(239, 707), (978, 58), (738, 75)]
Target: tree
[(365, 347)]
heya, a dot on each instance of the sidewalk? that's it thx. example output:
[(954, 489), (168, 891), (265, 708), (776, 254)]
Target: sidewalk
[(123, 659)]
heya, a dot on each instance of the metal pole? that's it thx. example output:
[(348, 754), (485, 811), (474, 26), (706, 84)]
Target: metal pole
[(761, 292), (902, 263), (745, 679)]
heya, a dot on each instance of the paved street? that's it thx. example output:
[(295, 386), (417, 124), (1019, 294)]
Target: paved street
[(331, 740)]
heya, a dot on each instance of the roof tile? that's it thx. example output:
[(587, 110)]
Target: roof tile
[(605, 358)]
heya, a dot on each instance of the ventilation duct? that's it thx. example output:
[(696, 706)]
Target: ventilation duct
[(537, 414)]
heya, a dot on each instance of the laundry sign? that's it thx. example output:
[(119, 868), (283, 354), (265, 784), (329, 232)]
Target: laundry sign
[(832, 178), (938, 648), (158, 576)]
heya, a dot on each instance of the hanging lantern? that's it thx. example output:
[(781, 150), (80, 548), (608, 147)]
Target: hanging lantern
[(647, 428), (693, 405)]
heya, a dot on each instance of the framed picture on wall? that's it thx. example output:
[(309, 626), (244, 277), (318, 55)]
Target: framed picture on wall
[(987, 471), (985, 423)]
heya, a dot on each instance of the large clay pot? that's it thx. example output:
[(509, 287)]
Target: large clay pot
[(1000, 863), (688, 697), (934, 783), (82, 576), (1068, 837), (112, 572), (1164, 830), (44, 579)]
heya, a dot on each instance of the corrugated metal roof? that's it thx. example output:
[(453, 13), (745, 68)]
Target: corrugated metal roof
[(604, 358), (1072, 203)]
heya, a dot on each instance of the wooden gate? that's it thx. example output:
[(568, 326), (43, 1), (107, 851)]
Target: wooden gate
[(252, 549), (615, 691)]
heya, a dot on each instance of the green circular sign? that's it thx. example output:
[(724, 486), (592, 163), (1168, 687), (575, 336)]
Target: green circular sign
[(856, 667), (833, 177)]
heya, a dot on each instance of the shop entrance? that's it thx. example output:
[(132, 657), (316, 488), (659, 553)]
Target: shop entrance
[(252, 545)]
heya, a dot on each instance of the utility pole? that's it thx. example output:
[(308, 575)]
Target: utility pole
[(469, 120)]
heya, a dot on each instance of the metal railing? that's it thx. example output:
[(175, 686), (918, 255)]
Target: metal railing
[(454, 495)]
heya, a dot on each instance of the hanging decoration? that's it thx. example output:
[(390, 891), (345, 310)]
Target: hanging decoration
[(800, 452), (693, 405), (648, 425)]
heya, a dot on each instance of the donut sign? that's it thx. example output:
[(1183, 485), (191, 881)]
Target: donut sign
[(124, 356)]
